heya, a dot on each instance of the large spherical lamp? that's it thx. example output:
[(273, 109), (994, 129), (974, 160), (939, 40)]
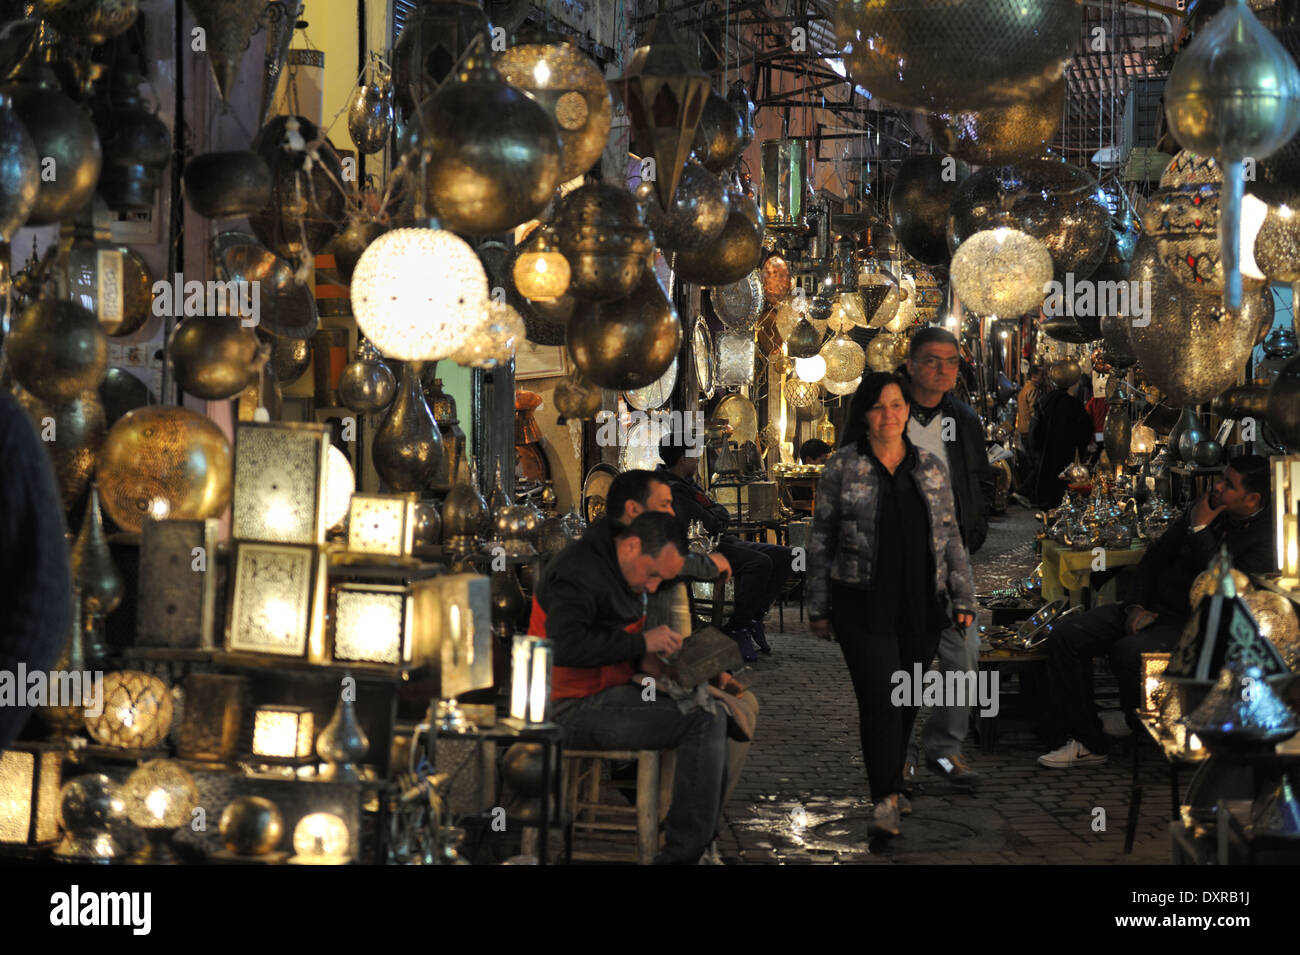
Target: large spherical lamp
[(417, 293)]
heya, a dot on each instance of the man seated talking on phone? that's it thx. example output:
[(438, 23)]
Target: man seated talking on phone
[(591, 604)]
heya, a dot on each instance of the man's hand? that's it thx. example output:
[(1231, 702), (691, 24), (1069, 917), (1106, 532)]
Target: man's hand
[(663, 640), (1139, 618), (965, 619), (723, 565), (652, 665), (1203, 513), (821, 628)]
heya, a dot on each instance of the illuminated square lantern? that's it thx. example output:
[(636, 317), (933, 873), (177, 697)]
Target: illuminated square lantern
[(277, 603), (1286, 517), (178, 590), (372, 623), (284, 733), (279, 492), (382, 524), (453, 631), (530, 680), (29, 795)]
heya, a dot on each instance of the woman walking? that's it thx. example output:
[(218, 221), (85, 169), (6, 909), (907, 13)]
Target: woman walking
[(887, 573)]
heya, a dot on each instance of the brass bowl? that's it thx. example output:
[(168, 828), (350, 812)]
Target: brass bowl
[(164, 462), (57, 350)]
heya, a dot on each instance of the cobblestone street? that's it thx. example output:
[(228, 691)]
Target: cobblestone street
[(803, 797)]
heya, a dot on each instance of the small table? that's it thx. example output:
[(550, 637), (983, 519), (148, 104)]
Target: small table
[(1176, 759), (1068, 572), (1031, 667)]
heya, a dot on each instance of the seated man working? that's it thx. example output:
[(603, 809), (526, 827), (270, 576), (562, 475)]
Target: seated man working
[(591, 604), (760, 570), (1233, 513), (815, 451)]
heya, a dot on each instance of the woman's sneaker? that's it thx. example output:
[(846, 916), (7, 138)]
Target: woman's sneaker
[(1073, 753)]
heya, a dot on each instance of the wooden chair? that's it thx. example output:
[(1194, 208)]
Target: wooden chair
[(584, 769)]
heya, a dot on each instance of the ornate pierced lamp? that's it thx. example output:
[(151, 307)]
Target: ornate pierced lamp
[(320, 838), (160, 797)]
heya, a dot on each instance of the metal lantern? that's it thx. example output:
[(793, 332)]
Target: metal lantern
[(572, 89), (1277, 246), (404, 314), (434, 39), (321, 838), (880, 293), (277, 601), (1001, 272), (366, 385), (544, 319), (801, 394), (491, 154), (737, 352), (776, 278), (342, 743), (1055, 202), (541, 273), (91, 810), (95, 21), (210, 716), (308, 206), (1277, 622), (628, 343), (136, 711), (137, 147), (842, 387), (370, 113), (251, 826), (164, 462), (29, 794), (57, 350), (785, 184), (280, 482), (1000, 134), (923, 192), (215, 357), (880, 352), (382, 524), (493, 342), (666, 92), (1191, 348), (1233, 92), (93, 573), (957, 54), (697, 215), (227, 27), (530, 680), (577, 399), (845, 359), (598, 228), (176, 603), (464, 515), (804, 340)]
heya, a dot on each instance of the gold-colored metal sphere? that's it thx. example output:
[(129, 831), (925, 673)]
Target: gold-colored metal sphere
[(215, 356), (571, 88), (79, 427), (95, 21), (227, 185), (251, 826), (1000, 134), (63, 132), (599, 230), (164, 462), (57, 350), (492, 154), (734, 255), (628, 343)]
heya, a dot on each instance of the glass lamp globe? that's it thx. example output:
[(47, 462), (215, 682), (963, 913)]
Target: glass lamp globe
[(417, 293), (91, 810), (136, 714), (811, 369), (790, 311), (494, 341), (845, 359), (1142, 440), (340, 482), (801, 394), (320, 838), (879, 293), (1277, 245), (880, 352), (846, 312), (841, 387), (542, 275), (1001, 272), (160, 797)]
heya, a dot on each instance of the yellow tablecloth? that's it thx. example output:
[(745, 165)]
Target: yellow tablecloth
[(1066, 572)]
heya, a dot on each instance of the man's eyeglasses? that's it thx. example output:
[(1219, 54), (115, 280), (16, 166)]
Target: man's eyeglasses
[(934, 364)]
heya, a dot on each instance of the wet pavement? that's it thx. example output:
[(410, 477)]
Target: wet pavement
[(803, 798)]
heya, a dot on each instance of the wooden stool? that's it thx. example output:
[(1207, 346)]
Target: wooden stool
[(654, 786)]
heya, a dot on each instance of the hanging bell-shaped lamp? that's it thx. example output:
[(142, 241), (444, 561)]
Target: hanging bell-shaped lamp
[(628, 343), (804, 341), (227, 27), (542, 274), (434, 39), (1234, 93), (666, 91)]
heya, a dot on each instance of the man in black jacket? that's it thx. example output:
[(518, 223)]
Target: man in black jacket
[(1234, 513), (760, 570), (951, 430), (591, 605), (1060, 431)]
